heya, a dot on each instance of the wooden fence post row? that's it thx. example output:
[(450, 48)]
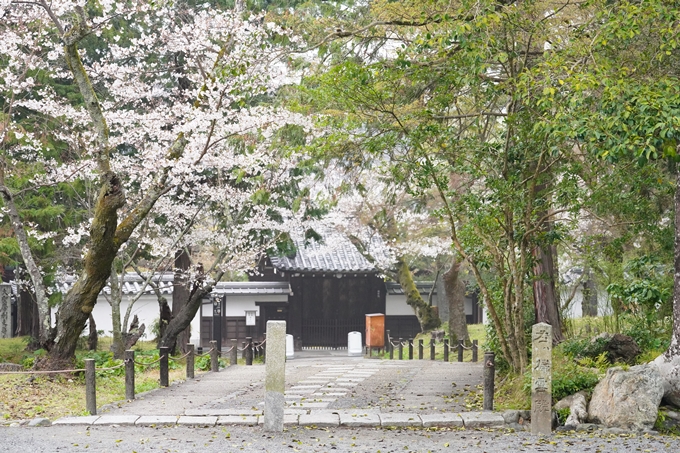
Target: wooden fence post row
[(460, 349)]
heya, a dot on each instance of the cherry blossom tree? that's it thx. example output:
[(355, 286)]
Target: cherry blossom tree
[(168, 115)]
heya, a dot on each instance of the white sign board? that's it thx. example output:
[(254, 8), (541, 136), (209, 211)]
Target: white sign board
[(250, 317)]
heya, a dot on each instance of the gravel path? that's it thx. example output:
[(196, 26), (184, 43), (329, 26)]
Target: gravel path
[(233, 439)]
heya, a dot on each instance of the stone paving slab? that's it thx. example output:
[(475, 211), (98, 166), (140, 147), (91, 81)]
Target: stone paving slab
[(288, 420), (482, 420), (87, 420), (443, 419), (221, 412), (208, 420), (123, 420), (249, 420), (399, 419), (358, 418), (163, 420), (320, 418)]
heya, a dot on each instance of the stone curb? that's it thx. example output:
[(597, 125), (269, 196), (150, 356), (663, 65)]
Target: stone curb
[(316, 418)]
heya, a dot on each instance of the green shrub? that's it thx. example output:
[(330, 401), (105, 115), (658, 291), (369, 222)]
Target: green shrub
[(573, 378)]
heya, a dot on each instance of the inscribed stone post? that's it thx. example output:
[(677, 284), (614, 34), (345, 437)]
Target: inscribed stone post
[(541, 379), (275, 376), (5, 311)]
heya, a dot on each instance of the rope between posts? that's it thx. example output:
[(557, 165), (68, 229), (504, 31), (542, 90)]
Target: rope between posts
[(205, 354), (148, 363), (221, 353), (77, 370), (44, 372), (178, 358)]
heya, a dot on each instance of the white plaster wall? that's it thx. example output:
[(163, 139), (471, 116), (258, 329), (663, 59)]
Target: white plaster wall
[(396, 306), (146, 309)]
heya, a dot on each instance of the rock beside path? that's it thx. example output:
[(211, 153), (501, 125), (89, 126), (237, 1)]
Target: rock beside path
[(627, 399)]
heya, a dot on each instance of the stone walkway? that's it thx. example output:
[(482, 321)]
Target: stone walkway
[(323, 389)]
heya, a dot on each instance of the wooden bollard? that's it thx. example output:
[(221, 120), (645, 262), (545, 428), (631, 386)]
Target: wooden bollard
[(475, 349), (243, 350), (489, 375), (391, 346), (214, 359), (446, 349), (129, 374), (401, 349), (249, 350), (460, 350), (90, 387), (420, 349), (190, 361), (263, 349), (199, 350), (432, 349), (164, 352), (410, 348), (233, 353)]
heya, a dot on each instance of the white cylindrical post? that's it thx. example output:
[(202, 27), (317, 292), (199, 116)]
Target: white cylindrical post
[(354, 345), (290, 347)]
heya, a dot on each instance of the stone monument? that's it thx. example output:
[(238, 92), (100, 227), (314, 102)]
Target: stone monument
[(541, 379), (275, 376), (5, 310)]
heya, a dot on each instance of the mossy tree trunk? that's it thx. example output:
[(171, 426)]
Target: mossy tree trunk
[(427, 316), (455, 297), (107, 234)]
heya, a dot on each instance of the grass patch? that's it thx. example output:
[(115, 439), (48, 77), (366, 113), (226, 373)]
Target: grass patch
[(24, 396)]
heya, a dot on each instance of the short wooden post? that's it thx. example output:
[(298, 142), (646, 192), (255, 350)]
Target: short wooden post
[(446, 349), (401, 349), (129, 374), (410, 348), (214, 362), (460, 350), (90, 387), (199, 350), (263, 349), (489, 375), (475, 349), (391, 346), (164, 352), (420, 349), (432, 349), (190, 361), (233, 353), (243, 350), (249, 350)]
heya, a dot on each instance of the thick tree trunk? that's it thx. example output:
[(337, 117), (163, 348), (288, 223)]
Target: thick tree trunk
[(117, 343), (134, 333), (455, 296), (427, 317), (669, 362), (180, 296), (32, 268), (93, 337), (546, 299), (182, 320), (80, 300)]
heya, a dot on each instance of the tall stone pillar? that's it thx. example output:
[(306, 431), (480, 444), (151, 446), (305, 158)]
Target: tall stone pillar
[(275, 376), (541, 379)]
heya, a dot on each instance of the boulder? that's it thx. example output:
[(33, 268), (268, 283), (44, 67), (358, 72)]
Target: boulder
[(627, 399), (669, 368), (622, 348), (577, 404)]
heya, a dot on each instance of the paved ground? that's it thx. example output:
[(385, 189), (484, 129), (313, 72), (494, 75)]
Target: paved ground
[(320, 381), (363, 392)]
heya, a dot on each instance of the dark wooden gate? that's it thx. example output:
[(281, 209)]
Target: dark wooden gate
[(330, 333)]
